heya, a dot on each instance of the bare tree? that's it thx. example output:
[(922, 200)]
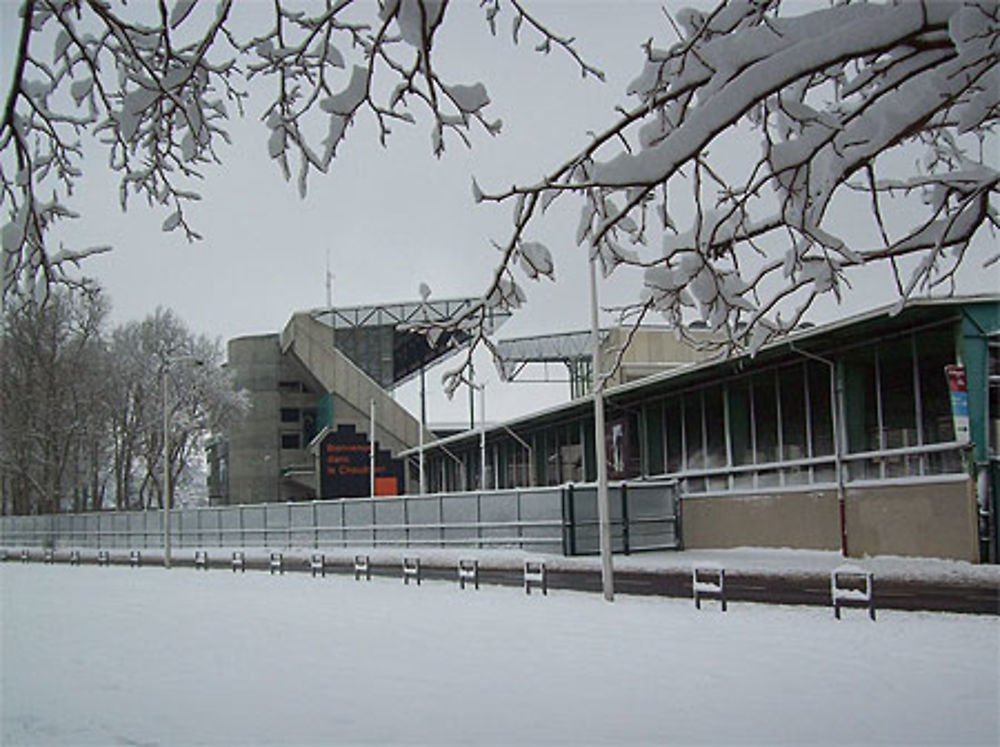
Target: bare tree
[(201, 399), (81, 412), (894, 103), (50, 413)]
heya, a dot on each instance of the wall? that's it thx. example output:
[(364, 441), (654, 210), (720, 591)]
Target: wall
[(253, 445), (932, 519)]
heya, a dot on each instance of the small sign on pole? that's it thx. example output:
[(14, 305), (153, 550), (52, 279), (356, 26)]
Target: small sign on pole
[(958, 392)]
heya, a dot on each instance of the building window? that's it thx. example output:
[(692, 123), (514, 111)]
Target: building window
[(291, 441), (289, 415)]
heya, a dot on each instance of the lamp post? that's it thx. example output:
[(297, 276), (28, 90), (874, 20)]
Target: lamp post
[(165, 375), (600, 452)]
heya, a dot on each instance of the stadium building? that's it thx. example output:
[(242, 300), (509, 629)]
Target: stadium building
[(876, 434)]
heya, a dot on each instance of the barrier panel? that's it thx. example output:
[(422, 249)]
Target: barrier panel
[(468, 572), (362, 566), (535, 575), (317, 564), (851, 586), (709, 581), (411, 569), (201, 560), (276, 563), (560, 519)]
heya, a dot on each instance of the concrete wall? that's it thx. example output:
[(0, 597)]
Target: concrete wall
[(253, 444), (651, 350), (933, 519)]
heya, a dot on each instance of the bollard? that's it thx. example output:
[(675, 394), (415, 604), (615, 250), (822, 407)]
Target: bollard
[(239, 562), (468, 570), (49, 556), (534, 575), (74, 557), (103, 557), (362, 564), (277, 563), (25, 556), (411, 569), (135, 559), (317, 564)]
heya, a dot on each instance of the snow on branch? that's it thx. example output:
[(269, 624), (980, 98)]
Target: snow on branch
[(718, 185), (156, 83)]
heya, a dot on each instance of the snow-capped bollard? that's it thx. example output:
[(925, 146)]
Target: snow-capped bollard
[(851, 585), (468, 570), (239, 561), (276, 563), (534, 575), (201, 560), (25, 556), (135, 559), (317, 564), (411, 569), (708, 581), (74, 557), (103, 557), (49, 556), (362, 565)]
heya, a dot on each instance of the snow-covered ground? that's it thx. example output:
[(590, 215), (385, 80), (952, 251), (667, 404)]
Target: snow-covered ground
[(150, 657)]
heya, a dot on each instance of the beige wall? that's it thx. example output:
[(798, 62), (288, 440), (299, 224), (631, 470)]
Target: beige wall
[(934, 519)]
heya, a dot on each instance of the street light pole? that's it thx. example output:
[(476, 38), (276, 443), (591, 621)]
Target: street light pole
[(600, 451)]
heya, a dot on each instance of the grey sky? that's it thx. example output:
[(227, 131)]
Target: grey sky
[(391, 218)]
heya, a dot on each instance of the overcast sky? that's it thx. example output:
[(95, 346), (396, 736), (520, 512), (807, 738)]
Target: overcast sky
[(389, 219)]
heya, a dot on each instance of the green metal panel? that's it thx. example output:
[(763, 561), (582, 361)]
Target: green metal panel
[(978, 321), (324, 412)]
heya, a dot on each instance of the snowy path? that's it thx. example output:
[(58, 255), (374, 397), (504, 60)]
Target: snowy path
[(118, 656)]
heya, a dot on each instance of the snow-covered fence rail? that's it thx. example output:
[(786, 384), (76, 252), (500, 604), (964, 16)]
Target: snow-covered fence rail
[(561, 519)]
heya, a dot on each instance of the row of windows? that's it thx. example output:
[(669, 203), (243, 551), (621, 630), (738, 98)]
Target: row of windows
[(770, 428)]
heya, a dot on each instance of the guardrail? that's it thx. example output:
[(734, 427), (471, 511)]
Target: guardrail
[(559, 519)]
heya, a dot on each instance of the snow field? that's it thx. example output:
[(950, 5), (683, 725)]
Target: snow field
[(121, 656)]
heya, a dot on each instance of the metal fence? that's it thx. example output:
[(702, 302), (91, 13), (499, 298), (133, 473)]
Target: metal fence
[(561, 519)]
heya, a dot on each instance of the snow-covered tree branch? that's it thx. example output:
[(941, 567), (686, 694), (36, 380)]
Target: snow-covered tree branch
[(155, 84), (719, 186)]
